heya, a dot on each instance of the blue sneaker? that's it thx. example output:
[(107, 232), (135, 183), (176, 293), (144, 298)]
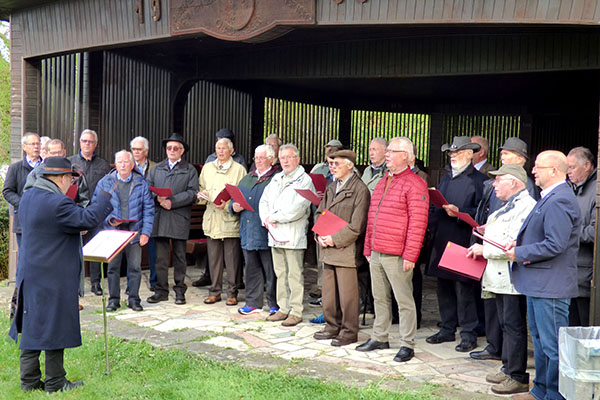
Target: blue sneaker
[(318, 320), (273, 310), (248, 310)]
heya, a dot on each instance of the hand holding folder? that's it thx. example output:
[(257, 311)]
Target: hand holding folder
[(437, 198), (319, 182), (328, 224), (455, 260), (163, 192), (238, 197)]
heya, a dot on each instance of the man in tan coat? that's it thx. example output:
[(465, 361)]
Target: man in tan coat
[(348, 198)]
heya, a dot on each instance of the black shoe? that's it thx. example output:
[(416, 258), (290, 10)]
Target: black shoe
[(37, 386), (465, 345), (371, 345), (112, 306), (404, 354), (484, 355), (439, 338), (152, 288), (317, 303), (96, 289), (67, 386), (135, 306), (155, 298), (127, 291), (179, 300), (203, 281)]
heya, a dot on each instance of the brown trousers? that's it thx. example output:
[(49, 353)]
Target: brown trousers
[(224, 254), (340, 301)]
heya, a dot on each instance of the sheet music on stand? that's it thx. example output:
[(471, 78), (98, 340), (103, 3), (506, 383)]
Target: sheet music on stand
[(106, 245)]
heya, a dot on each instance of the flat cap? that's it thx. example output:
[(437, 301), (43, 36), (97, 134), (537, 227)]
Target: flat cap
[(512, 169), (347, 154)]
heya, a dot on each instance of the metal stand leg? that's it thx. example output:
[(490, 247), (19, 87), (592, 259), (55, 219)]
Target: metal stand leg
[(107, 372)]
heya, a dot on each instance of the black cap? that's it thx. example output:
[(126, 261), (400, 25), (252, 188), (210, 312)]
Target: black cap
[(176, 137), (225, 133)]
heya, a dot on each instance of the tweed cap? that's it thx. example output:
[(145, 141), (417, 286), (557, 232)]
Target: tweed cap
[(517, 145), (512, 169), (347, 154)]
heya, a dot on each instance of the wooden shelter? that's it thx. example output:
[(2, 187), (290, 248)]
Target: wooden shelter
[(309, 70)]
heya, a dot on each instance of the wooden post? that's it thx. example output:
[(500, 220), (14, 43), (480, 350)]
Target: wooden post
[(257, 129), (595, 289), (345, 125)]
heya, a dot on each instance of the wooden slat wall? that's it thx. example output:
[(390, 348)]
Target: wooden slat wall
[(563, 132), (307, 126), (134, 102), (211, 107), (73, 25), (458, 11), (367, 125)]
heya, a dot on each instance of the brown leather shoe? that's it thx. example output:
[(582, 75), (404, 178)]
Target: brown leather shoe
[(278, 316), (291, 320), (524, 396), (342, 341), (231, 301), (324, 335), (212, 299)]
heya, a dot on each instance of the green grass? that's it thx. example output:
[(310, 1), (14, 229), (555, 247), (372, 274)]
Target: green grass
[(140, 371)]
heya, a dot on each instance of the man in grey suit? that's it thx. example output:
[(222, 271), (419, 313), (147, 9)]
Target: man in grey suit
[(545, 267)]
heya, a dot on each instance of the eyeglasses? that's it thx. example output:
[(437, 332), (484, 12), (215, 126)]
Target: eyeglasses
[(84, 141), (34, 144), (174, 148), (542, 167), (137, 149), (335, 163), (287, 157), (260, 158), (388, 151)]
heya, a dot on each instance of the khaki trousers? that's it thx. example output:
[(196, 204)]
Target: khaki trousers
[(289, 266), (340, 301), (386, 273)]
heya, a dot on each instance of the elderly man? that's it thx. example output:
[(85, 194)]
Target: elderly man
[(376, 168), (502, 227), (582, 175), (323, 167), (462, 187), (16, 177), (395, 231), (172, 216), (222, 229), (285, 214), (545, 267), (225, 133), (94, 168), (275, 142), (480, 161), (133, 210), (349, 199), (48, 314), (254, 236)]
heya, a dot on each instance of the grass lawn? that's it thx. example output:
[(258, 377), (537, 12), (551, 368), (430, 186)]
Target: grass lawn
[(140, 371)]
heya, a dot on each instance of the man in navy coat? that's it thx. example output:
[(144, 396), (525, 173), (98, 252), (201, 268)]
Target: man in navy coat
[(48, 281), (545, 268)]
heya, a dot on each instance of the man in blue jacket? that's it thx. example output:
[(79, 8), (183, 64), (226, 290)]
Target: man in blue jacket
[(133, 210), (545, 268)]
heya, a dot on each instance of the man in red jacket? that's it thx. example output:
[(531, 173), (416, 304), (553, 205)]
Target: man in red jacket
[(395, 230)]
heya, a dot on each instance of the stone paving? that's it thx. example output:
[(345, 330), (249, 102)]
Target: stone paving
[(220, 332)]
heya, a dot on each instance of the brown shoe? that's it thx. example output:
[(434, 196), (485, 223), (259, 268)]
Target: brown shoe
[(510, 386), (278, 316), (496, 378), (342, 341), (291, 320), (324, 335), (231, 301), (524, 396), (212, 299)]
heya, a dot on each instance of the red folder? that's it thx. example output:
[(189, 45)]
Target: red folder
[(164, 192), (437, 198), (328, 224), (467, 218), (309, 195), (480, 236), (455, 260), (238, 197), (319, 181), (72, 192), (223, 196)]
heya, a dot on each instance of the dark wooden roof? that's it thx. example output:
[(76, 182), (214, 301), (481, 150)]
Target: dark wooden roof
[(9, 6)]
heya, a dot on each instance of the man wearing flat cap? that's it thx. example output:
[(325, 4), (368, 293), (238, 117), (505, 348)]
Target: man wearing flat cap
[(47, 313), (395, 230), (172, 216), (225, 133), (340, 253), (502, 227), (323, 167), (462, 187)]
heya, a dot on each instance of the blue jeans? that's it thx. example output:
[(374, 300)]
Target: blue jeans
[(133, 252), (546, 316)]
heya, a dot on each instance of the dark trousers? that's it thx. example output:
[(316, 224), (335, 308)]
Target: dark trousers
[(259, 275), (31, 375), (162, 266), (133, 252), (457, 306), (493, 331), (340, 301), (417, 281), (512, 317), (224, 254), (151, 246), (579, 311), (94, 266)]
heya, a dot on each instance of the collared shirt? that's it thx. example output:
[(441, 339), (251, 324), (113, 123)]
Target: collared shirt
[(547, 191), (142, 168), (128, 179), (226, 165), (378, 167), (340, 183), (91, 158), (259, 174), (480, 164), (173, 164), (33, 164)]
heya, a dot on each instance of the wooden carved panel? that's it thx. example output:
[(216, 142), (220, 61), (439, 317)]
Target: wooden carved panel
[(238, 19)]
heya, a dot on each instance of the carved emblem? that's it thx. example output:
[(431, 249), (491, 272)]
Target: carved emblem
[(238, 19)]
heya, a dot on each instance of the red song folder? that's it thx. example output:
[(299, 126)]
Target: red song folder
[(223, 196), (309, 195), (319, 182), (328, 224), (72, 192), (495, 244), (455, 260), (238, 197), (437, 198), (467, 218), (164, 192)]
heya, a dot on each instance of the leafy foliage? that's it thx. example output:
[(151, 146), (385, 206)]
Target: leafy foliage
[(4, 107)]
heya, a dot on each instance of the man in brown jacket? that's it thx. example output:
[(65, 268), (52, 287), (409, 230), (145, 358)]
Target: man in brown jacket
[(348, 198)]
